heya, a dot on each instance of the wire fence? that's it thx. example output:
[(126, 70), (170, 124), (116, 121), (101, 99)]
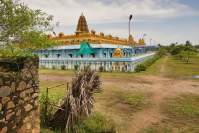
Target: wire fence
[(47, 102)]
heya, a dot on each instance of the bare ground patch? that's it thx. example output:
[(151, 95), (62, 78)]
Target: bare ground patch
[(111, 101)]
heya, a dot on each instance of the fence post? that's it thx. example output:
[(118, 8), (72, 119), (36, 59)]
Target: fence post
[(67, 85), (46, 106)]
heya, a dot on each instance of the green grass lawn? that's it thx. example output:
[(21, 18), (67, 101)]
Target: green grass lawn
[(174, 67), (182, 115)]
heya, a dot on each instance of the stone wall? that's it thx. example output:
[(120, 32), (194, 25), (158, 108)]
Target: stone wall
[(19, 96)]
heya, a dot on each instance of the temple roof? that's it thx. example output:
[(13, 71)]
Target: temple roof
[(82, 26), (83, 34), (85, 48)]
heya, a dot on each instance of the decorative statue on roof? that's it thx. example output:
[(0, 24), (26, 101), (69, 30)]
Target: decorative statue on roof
[(141, 41), (117, 53), (131, 40)]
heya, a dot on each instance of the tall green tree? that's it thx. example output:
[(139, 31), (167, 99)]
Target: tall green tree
[(23, 27)]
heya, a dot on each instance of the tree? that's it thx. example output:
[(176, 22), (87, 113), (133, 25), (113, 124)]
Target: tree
[(187, 43), (187, 55), (23, 27), (186, 52), (196, 46), (174, 50)]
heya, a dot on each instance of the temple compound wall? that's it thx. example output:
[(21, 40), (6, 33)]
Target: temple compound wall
[(19, 95)]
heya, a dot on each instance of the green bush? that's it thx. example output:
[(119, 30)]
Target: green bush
[(53, 67), (140, 67), (147, 63), (101, 68), (53, 99), (63, 67), (96, 123), (76, 67)]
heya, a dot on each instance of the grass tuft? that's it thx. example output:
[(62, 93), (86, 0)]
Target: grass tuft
[(157, 129), (96, 123), (136, 100), (184, 107)]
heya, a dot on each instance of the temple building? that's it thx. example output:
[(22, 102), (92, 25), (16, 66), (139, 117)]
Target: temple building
[(97, 50)]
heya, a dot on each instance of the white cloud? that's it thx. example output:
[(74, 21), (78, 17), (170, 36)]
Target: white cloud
[(112, 11)]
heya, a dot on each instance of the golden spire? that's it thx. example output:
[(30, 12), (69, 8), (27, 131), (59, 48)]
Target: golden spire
[(82, 26)]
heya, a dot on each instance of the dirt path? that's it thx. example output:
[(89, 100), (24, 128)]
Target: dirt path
[(163, 66), (160, 87)]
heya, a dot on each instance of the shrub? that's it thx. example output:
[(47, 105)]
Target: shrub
[(140, 67), (143, 66), (53, 67), (43, 67), (96, 123), (76, 67), (101, 68), (53, 99), (63, 67)]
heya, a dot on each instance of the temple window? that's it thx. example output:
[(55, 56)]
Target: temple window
[(111, 54), (70, 55), (82, 55), (93, 55), (104, 54), (58, 55), (46, 55)]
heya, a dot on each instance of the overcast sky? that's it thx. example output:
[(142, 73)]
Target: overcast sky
[(164, 21)]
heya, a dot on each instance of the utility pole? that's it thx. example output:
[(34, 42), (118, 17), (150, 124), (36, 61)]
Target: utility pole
[(130, 18)]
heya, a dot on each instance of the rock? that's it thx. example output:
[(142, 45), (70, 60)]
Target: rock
[(21, 86), (18, 113), (5, 91), (27, 99), (27, 119), (28, 126), (2, 121), (10, 105), (35, 95), (12, 87), (1, 81), (28, 107), (22, 94), (26, 74), (8, 116), (7, 82), (5, 100), (1, 106), (29, 85), (4, 130)]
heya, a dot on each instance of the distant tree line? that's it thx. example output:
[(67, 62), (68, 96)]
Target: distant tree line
[(184, 52)]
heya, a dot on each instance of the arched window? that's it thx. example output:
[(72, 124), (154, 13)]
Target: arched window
[(46, 55), (111, 55), (93, 55), (70, 55), (58, 55), (104, 54)]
